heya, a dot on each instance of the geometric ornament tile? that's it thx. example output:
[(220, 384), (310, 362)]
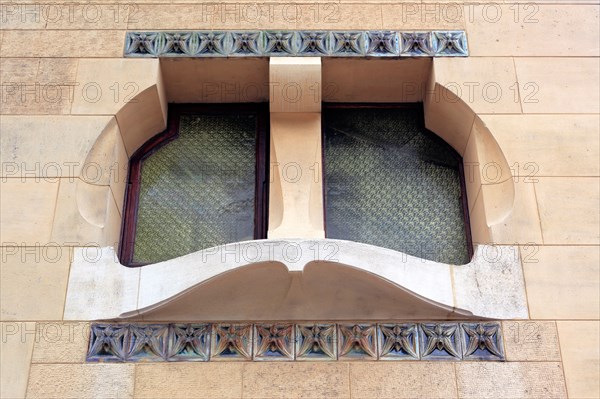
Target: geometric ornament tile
[(357, 341), (450, 43), (398, 342), (440, 341), (274, 342), (383, 43), (147, 342), (482, 341), (316, 341), (232, 341), (189, 342), (417, 44), (107, 342)]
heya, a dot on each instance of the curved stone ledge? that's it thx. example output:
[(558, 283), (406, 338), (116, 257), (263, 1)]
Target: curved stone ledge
[(277, 279)]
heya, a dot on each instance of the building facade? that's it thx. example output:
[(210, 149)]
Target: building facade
[(303, 295)]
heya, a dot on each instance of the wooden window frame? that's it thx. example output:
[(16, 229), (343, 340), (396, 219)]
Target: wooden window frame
[(417, 107), (132, 191)]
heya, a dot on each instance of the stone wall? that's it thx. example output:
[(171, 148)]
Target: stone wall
[(532, 79)]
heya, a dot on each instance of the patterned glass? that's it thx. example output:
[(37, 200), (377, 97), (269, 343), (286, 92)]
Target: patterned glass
[(198, 191), (391, 183)]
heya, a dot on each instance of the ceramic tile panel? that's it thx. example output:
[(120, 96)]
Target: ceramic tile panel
[(311, 43), (289, 341)]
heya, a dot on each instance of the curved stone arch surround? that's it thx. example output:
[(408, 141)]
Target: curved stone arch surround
[(491, 285)]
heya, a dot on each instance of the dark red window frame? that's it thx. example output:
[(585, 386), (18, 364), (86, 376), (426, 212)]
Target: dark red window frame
[(260, 110)]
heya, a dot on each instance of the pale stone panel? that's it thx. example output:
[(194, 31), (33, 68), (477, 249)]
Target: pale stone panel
[(131, 89), (60, 342), (486, 85), (34, 282), (296, 190), (531, 340), (492, 285), (402, 380), (34, 97), (88, 16), (256, 15), (37, 86), (559, 85), (569, 209), (232, 16), (548, 145), (16, 347), (99, 286), (106, 162), (295, 84), (532, 30), (18, 69), (109, 84), (52, 146), (417, 16), (296, 380), (172, 16), (81, 381), (57, 70), (86, 215), (18, 16), (580, 345), (27, 210), (472, 170), (118, 171), (522, 225), (337, 16), (189, 380), (74, 43), (489, 160), (498, 201), (510, 380), (562, 282), (374, 80), (448, 116), (216, 80), (480, 231)]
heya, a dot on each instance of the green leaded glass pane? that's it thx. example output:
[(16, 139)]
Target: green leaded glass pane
[(393, 184), (198, 191)]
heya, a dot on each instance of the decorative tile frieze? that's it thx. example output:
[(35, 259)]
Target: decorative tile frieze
[(398, 342), (296, 43), (316, 342), (288, 341)]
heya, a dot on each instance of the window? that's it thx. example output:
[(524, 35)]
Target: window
[(201, 183), (391, 183)]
